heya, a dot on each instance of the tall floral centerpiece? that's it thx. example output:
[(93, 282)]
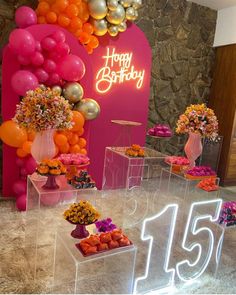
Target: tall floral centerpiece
[(43, 111), (198, 121)]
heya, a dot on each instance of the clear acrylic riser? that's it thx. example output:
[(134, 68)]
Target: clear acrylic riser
[(122, 171), (44, 216), (110, 272)]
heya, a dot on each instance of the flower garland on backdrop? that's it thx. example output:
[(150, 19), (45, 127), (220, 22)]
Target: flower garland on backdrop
[(198, 119)]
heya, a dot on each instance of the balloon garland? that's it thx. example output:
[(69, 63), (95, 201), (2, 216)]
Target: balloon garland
[(87, 20)]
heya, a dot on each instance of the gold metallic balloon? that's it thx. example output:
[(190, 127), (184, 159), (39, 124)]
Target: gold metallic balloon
[(57, 89), (113, 31), (97, 8), (126, 3), (122, 26), (137, 4), (116, 16), (112, 4), (42, 86), (73, 91), (89, 108), (130, 13), (100, 26)]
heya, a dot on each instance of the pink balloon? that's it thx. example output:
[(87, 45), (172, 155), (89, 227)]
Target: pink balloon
[(20, 162), (23, 172), (50, 199), (22, 42), (71, 68), (37, 59), (23, 60), (59, 36), (22, 81), (53, 79), (49, 66), (19, 187), (21, 202), (30, 165), (41, 74), (48, 43), (55, 56), (25, 16), (63, 49), (38, 46)]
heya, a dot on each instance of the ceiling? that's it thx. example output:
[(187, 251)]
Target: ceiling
[(216, 4)]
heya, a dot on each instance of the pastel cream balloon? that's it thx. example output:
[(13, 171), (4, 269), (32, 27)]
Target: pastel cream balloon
[(137, 4), (122, 26), (100, 26), (113, 31), (126, 3), (89, 108), (112, 4), (116, 16), (73, 92), (97, 8), (57, 89), (130, 13)]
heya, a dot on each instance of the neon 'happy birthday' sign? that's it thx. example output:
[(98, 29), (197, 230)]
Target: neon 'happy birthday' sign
[(118, 69)]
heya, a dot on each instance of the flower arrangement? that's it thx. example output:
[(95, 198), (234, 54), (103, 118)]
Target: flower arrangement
[(81, 213), (105, 225), (198, 119), (43, 109), (208, 184), (135, 151), (228, 214), (51, 167)]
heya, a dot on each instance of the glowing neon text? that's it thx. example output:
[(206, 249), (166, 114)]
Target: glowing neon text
[(117, 69)]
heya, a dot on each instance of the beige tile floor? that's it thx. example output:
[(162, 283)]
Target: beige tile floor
[(17, 245)]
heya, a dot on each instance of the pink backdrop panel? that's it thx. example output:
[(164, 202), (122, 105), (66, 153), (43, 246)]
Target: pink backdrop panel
[(123, 101), (9, 98)]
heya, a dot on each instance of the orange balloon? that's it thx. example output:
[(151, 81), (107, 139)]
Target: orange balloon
[(89, 49), (83, 151), (74, 149), (67, 133), (77, 2), (51, 17), (61, 5), (64, 149), (82, 142), (77, 120), (26, 147), (31, 135), (63, 20), (80, 131), (83, 12), (72, 10), (41, 20), (11, 134), (75, 23), (78, 33), (43, 8), (93, 43), (74, 139), (84, 38), (21, 153), (60, 139), (88, 28)]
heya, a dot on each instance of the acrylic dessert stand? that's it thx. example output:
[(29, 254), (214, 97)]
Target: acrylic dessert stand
[(125, 136)]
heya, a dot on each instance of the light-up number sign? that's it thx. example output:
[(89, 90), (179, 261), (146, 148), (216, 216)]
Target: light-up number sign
[(185, 269), (117, 69)]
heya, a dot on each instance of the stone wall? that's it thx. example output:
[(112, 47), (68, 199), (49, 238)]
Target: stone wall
[(181, 35)]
